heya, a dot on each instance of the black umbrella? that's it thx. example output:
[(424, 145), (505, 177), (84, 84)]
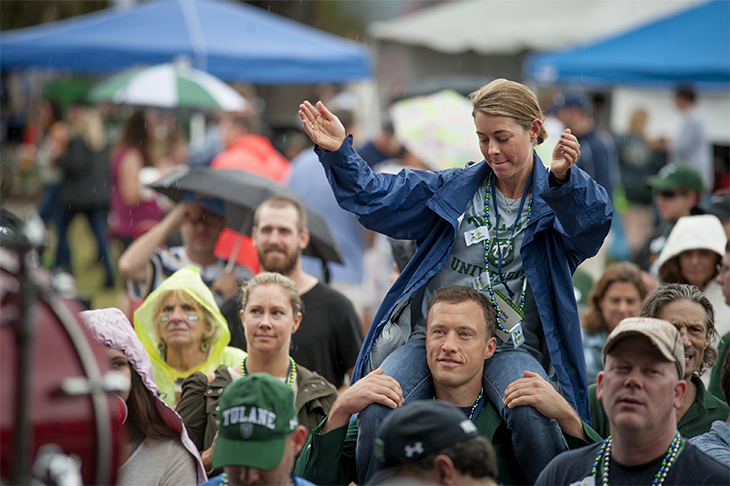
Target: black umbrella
[(242, 192)]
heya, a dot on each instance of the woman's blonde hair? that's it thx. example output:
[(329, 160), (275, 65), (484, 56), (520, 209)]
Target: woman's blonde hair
[(90, 126), (271, 278), (592, 321), (507, 98), (211, 335)]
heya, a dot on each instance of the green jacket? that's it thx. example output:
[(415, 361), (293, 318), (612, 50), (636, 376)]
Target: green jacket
[(330, 458), (198, 404), (698, 419), (714, 386)]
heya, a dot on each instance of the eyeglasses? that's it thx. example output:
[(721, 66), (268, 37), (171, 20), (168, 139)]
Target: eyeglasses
[(722, 269)]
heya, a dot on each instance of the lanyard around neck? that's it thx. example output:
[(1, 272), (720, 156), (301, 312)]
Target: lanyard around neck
[(500, 257)]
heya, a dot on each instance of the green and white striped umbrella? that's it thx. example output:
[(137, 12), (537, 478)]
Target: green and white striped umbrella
[(169, 86)]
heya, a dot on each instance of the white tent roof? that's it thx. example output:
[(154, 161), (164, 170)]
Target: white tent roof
[(512, 26)]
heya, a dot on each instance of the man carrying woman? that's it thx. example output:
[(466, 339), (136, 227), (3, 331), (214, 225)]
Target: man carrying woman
[(469, 224)]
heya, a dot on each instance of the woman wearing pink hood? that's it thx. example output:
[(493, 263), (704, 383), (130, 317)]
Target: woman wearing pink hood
[(155, 448)]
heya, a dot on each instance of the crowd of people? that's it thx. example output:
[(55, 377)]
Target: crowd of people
[(478, 363)]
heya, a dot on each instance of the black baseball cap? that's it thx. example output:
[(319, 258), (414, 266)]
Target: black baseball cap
[(416, 430), (719, 205)]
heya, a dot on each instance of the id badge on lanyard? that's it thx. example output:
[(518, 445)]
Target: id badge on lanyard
[(510, 314), (511, 317)]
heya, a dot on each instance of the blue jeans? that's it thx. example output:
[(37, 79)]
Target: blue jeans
[(97, 222), (51, 210), (408, 366), (535, 438)]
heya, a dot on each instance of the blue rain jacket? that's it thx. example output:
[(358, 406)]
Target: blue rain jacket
[(568, 225)]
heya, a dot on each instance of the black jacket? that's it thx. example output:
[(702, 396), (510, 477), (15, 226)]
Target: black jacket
[(86, 178)]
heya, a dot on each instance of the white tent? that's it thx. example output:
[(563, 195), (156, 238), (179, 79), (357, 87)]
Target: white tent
[(512, 26), (491, 38)]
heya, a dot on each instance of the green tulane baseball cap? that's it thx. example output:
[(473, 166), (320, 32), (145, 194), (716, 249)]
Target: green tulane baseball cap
[(256, 414)]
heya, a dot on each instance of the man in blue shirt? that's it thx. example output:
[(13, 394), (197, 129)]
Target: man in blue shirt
[(598, 157)]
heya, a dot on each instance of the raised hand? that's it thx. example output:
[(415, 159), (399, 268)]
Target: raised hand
[(565, 154), (323, 128)]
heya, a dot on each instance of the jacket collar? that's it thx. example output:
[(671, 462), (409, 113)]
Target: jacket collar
[(540, 179), (451, 201), (458, 191), (311, 386)]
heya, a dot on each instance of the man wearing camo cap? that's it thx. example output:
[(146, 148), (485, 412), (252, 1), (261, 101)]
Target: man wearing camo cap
[(641, 388)]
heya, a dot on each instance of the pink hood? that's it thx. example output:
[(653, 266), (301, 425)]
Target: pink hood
[(111, 327)]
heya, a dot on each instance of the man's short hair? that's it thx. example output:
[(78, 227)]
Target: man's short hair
[(245, 121), (572, 99), (456, 294), (668, 293), (686, 92), (282, 202), (474, 457)]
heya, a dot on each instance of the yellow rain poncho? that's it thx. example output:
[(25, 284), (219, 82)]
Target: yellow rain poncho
[(146, 325)]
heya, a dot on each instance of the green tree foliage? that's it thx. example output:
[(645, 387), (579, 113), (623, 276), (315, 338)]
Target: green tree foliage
[(16, 14), (327, 15)]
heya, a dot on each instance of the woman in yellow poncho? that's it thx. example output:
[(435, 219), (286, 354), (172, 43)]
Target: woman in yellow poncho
[(183, 331)]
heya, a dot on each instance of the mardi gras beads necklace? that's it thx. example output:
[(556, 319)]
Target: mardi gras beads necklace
[(476, 404), (604, 457), (292, 370), (492, 298)]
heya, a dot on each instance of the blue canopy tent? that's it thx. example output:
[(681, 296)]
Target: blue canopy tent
[(233, 41), (690, 46)]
